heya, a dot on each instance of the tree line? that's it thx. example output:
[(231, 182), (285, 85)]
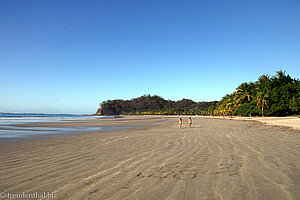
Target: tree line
[(278, 95), (152, 105)]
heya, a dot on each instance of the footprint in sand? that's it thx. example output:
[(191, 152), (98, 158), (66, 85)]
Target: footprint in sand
[(173, 170)]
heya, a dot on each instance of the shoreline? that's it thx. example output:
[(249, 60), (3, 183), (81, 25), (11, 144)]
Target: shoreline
[(10, 132)]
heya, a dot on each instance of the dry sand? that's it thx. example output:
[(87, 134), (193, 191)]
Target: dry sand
[(292, 122), (215, 159)]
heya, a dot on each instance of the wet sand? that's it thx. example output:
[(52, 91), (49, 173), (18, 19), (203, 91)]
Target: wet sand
[(215, 159)]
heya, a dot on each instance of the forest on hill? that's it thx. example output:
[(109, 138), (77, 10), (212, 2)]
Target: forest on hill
[(152, 105), (278, 95)]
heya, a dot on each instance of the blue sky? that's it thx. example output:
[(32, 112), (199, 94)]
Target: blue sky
[(69, 56)]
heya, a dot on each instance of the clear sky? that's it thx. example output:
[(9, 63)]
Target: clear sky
[(69, 56)]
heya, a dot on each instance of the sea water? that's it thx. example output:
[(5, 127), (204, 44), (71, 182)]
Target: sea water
[(41, 116), (8, 130)]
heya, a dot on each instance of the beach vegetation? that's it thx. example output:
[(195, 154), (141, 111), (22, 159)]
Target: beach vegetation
[(278, 95)]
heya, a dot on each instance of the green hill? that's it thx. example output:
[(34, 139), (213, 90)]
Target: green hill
[(151, 105)]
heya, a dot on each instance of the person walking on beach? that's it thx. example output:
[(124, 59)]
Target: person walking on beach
[(180, 122), (190, 122)]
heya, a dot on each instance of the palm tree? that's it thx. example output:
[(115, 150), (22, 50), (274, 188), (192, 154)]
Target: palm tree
[(280, 75), (261, 101), (263, 79), (243, 93), (281, 78), (231, 104)]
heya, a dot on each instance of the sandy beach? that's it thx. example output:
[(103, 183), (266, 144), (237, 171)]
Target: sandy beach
[(214, 159), (290, 122)]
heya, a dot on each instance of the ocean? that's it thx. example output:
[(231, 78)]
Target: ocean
[(8, 122), (42, 116)]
